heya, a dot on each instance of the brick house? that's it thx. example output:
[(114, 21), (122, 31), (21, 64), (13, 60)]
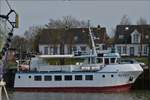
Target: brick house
[(132, 40), (67, 41)]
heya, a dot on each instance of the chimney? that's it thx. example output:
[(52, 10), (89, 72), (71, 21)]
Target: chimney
[(98, 27)]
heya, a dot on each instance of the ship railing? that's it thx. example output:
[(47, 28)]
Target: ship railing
[(92, 67), (58, 68)]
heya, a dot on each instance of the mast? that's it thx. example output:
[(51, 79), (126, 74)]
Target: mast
[(94, 53)]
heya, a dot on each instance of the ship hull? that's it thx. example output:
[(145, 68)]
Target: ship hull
[(112, 78), (119, 88)]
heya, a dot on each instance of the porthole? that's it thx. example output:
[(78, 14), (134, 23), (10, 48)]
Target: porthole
[(29, 76), (112, 75), (103, 76)]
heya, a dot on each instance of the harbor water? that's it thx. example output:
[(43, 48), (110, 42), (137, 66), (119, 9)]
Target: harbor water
[(133, 95)]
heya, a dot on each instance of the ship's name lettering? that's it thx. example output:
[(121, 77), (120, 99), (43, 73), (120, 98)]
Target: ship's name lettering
[(123, 75)]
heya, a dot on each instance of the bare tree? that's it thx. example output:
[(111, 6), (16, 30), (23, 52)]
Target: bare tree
[(19, 43), (68, 21), (141, 21), (31, 36), (125, 20)]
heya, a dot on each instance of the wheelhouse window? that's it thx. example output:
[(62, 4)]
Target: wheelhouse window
[(99, 60), (47, 78), (112, 60), (58, 78), (78, 77), (88, 77), (38, 78), (68, 77), (106, 60)]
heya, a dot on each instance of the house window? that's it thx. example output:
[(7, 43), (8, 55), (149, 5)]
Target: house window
[(47, 78), (78, 77), (58, 78), (83, 48), (51, 50), (88, 77), (38, 78), (145, 50), (55, 50), (69, 50), (45, 50), (136, 38), (119, 49), (68, 77), (74, 48), (139, 49), (124, 49)]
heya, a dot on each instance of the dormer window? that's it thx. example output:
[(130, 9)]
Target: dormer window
[(135, 37)]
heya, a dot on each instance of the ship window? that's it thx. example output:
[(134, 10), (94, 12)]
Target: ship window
[(106, 61), (112, 60), (47, 78), (19, 77), (99, 60), (58, 78), (78, 77), (68, 77), (103, 76), (29, 76), (112, 75), (88, 77), (37, 78)]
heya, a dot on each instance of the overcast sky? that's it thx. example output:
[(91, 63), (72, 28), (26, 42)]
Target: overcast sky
[(106, 13)]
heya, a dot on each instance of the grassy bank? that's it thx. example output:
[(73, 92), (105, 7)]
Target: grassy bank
[(139, 59)]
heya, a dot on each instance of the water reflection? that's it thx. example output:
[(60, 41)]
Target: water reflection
[(135, 95)]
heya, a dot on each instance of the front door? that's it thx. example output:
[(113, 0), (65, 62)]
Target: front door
[(131, 51)]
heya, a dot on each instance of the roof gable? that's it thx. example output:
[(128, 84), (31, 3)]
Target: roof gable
[(127, 30), (135, 32)]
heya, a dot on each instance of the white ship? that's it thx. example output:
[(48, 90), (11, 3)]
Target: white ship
[(78, 73)]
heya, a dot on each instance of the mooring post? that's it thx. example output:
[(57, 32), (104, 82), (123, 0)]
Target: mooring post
[(149, 64)]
